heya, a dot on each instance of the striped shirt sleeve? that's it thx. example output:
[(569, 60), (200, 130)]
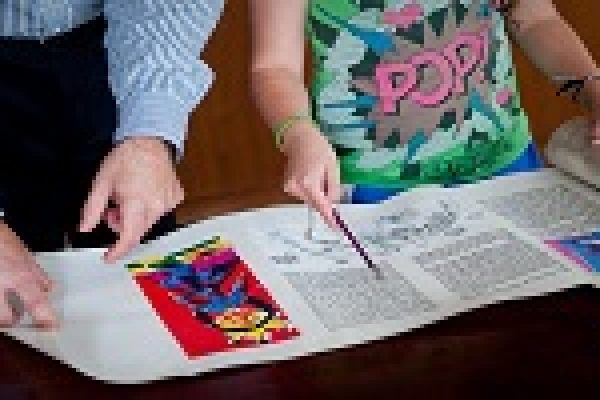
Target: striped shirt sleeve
[(155, 71)]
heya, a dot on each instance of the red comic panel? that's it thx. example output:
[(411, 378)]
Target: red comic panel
[(210, 300)]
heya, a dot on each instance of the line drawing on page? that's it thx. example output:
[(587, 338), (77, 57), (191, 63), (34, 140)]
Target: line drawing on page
[(383, 236)]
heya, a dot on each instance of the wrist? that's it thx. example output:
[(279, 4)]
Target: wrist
[(299, 136), (153, 144), (287, 124)]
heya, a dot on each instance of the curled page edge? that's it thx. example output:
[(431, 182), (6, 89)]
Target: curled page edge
[(570, 150)]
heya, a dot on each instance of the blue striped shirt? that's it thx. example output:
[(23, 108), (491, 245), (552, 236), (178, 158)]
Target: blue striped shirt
[(153, 48)]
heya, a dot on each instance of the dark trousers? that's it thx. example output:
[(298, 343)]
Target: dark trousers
[(57, 120)]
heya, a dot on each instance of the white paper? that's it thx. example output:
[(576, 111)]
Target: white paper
[(442, 252)]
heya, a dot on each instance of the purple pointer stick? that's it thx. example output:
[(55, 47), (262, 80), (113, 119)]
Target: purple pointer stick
[(356, 244)]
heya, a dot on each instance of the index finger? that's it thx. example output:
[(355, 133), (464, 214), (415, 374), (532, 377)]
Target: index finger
[(322, 204), (95, 205), (133, 227)]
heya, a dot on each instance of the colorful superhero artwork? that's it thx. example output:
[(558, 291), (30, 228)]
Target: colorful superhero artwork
[(210, 300)]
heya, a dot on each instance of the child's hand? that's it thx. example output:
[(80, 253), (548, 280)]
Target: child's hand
[(312, 172)]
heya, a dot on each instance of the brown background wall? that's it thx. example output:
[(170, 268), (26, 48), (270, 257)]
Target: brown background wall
[(230, 160)]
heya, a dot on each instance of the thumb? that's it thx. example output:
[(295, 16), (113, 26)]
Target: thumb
[(95, 205), (320, 201)]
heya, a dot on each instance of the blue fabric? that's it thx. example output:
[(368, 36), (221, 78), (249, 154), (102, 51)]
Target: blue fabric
[(529, 160)]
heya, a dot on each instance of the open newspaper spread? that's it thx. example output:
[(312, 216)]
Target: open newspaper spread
[(252, 287)]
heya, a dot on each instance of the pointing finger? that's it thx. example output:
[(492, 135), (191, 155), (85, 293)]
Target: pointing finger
[(134, 226), (95, 206), (314, 192)]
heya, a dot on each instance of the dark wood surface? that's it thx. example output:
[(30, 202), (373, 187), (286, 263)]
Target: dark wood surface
[(547, 347)]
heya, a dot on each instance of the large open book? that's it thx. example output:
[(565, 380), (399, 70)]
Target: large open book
[(253, 287)]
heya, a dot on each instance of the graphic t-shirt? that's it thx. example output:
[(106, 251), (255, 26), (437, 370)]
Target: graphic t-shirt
[(415, 92)]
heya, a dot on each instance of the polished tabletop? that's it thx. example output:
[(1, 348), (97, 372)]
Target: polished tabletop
[(545, 347)]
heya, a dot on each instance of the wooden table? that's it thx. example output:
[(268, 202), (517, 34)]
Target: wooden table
[(548, 346)]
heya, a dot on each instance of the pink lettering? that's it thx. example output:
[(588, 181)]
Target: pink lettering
[(463, 65), (387, 78), (444, 89), (453, 63)]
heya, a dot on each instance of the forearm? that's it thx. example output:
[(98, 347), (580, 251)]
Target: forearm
[(154, 70), (280, 93), (544, 43)]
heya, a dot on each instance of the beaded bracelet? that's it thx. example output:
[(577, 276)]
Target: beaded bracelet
[(286, 125)]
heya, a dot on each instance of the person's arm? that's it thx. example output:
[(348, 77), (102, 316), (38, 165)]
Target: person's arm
[(553, 46), (277, 74), (156, 76), (153, 48)]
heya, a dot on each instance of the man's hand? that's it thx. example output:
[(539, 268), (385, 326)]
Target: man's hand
[(139, 178), (21, 275)]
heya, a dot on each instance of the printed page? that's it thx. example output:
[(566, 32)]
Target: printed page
[(351, 302), (545, 204), (439, 256), (557, 210), (491, 260)]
